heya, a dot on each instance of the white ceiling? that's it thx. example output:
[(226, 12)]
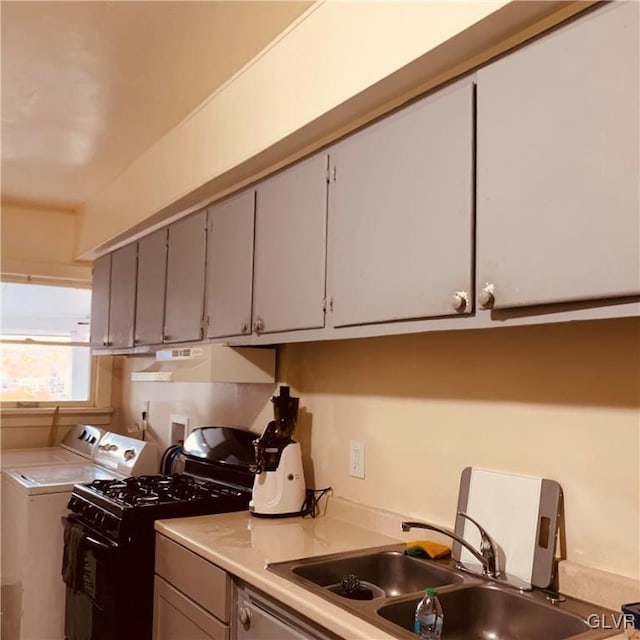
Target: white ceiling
[(88, 86)]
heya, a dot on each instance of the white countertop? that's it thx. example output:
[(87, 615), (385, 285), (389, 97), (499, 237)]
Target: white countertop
[(243, 545)]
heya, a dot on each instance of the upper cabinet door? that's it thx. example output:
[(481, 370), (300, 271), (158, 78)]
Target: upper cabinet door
[(401, 214), (100, 292), (122, 309), (558, 164), (185, 278), (152, 276), (290, 248), (230, 266)]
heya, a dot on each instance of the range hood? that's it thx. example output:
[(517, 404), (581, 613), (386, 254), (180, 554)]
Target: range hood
[(211, 363)]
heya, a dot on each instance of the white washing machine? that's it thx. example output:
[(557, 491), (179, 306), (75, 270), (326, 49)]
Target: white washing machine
[(34, 504), (79, 445)]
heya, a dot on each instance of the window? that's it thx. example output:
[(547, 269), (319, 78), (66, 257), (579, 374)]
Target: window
[(44, 351)]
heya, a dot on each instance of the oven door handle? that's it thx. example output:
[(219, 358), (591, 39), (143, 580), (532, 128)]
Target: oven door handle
[(96, 543), (90, 540)]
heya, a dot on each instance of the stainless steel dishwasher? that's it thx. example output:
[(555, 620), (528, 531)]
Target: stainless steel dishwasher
[(258, 616)]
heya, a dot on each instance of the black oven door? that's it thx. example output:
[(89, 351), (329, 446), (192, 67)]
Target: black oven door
[(91, 567), (109, 594)]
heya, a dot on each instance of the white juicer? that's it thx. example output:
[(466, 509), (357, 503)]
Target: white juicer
[(279, 489)]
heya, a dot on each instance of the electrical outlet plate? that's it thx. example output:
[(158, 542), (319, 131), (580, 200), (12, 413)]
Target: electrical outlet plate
[(179, 428), (356, 459)]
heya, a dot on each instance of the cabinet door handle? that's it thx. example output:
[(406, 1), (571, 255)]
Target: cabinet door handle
[(244, 615), (258, 325), (244, 327), (486, 297), (459, 301)]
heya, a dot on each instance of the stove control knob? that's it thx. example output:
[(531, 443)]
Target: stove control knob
[(129, 454)]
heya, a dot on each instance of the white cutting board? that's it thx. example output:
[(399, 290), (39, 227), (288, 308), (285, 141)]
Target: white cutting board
[(512, 509)]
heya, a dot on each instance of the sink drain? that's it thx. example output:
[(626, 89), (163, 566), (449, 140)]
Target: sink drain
[(363, 591)]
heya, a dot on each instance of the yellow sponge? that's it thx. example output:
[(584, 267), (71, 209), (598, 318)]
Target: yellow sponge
[(427, 548)]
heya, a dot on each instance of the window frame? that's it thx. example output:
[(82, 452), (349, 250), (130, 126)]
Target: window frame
[(100, 383)]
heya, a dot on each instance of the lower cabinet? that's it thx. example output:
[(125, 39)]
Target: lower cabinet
[(176, 617), (196, 600), (192, 596)]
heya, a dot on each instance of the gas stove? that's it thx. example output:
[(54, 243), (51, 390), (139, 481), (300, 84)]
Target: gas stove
[(117, 508), (110, 531)]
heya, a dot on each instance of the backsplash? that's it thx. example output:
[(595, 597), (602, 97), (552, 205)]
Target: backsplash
[(243, 405), (559, 401)]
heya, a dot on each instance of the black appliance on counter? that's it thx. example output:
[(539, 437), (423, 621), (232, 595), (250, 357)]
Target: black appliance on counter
[(108, 562)]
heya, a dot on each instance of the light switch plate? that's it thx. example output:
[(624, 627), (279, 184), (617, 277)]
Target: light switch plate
[(356, 459)]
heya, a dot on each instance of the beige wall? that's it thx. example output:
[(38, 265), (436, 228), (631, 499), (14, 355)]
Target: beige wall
[(560, 401), (40, 243), (331, 55)]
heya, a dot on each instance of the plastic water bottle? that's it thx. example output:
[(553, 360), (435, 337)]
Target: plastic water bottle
[(429, 616)]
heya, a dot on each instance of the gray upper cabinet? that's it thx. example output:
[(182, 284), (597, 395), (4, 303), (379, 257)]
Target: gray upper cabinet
[(558, 165), (185, 279), (401, 214), (100, 302), (290, 248), (122, 308), (230, 266), (152, 275)]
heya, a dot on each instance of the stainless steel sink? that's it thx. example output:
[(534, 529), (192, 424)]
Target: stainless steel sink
[(474, 608), (485, 612), (393, 572)]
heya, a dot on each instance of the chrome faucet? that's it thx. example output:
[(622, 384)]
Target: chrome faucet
[(488, 554)]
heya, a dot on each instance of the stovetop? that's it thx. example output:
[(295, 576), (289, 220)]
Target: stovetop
[(146, 491), (216, 479), (125, 510)]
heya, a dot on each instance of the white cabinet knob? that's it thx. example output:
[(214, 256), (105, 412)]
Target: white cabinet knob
[(486, 297), (258, 325), (460, 300)]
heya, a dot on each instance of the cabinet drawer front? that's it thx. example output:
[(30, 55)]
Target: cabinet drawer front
[(208, 585), (175, 617)]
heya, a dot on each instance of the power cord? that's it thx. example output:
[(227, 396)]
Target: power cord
[(312, 498), (168, 458)]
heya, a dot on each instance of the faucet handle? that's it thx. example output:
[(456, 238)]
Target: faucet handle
[(488, 547)]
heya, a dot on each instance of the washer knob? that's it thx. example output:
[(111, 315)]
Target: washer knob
[(129, 454), (486, 297)]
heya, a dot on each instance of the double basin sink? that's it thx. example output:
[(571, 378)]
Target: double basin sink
[(474, 608)]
